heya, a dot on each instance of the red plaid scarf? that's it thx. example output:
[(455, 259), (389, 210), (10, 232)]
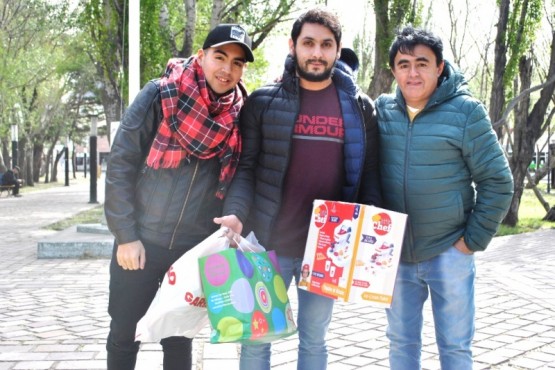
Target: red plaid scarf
[(196, 122)]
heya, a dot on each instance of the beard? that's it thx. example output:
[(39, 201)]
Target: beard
[(305, 74)]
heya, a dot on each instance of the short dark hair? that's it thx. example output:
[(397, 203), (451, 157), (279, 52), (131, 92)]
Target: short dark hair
[(409, 37), (321, 17)]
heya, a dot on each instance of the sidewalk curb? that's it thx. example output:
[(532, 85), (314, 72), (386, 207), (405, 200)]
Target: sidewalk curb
[(71, 243)]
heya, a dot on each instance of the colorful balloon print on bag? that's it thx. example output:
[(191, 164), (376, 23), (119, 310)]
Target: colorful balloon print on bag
[(246, 297)]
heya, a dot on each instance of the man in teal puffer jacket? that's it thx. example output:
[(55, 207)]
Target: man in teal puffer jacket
[(441, 164)]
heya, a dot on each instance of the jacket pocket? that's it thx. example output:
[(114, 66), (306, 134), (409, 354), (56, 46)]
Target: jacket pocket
[(436, 214)]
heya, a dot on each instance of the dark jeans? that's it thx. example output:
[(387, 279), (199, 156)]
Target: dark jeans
[(131, 293)]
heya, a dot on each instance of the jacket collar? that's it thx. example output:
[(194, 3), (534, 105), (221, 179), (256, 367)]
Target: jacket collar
[(342, 77)]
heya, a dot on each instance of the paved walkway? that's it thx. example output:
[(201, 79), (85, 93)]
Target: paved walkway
[(53, 312)]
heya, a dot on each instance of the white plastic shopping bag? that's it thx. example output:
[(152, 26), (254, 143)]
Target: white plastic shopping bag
[(249, 243), (179, 307)]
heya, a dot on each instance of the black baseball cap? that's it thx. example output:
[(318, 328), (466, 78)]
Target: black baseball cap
[(230, 34)]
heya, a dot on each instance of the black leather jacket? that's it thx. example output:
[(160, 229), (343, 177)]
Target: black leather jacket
[(169, 207)]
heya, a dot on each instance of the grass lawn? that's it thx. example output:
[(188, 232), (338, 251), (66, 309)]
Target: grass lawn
[(92, 216), (530, 213), (40, 185)]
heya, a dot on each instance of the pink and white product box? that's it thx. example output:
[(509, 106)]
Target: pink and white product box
[(352, 252)]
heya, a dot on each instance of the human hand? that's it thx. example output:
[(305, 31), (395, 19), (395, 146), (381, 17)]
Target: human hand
[(462, 247), (232, 222), (131, 256), (233, 227)]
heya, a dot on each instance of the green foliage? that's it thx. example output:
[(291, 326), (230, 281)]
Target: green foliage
[(259, 15), (391, 15), (363, 50), (253, 76), (155, 48), (33, 36), (401, 17), (157, 43), (396, 13), (524, 21), (105, 27), (204, 10)]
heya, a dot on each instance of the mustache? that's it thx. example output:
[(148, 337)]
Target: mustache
[(321, 61)]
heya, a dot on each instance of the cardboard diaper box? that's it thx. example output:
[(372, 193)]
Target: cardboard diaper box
[(352, 252)]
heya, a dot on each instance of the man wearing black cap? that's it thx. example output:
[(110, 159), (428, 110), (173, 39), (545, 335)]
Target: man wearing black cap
[(171, 162)]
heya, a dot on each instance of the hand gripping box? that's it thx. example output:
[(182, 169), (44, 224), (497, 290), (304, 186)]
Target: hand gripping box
[(352, 252)]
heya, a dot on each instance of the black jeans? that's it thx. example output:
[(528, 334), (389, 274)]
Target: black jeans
[(131, 293)]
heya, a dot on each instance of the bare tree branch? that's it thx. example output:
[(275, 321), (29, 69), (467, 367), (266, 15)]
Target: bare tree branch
[(517, 99), (538, 193)]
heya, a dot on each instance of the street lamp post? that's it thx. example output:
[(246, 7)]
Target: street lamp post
[(550, 152), (93, 158), (90, 109), (66, 164), (548, 156), (14, 145)]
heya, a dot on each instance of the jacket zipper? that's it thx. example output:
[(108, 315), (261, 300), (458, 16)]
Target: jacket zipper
[(184, 204), (405, 185), (361, 109)]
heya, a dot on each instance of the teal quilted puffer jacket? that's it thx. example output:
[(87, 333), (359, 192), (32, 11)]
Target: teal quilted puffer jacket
[(446, 169)]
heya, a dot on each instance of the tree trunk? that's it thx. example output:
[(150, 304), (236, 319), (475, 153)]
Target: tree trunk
[(382, 79), (381, 82), (511, 219), (217, 9), (5, 151), (28, 168), (189, 34), (113, 106), (37, 161), (59, 155), (542, 172), (47, 168), (497, 99), (73, 163), (523, 146), (528, 129), (550, 216)]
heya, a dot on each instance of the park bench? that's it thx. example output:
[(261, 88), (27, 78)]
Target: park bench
[(6, 189)]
